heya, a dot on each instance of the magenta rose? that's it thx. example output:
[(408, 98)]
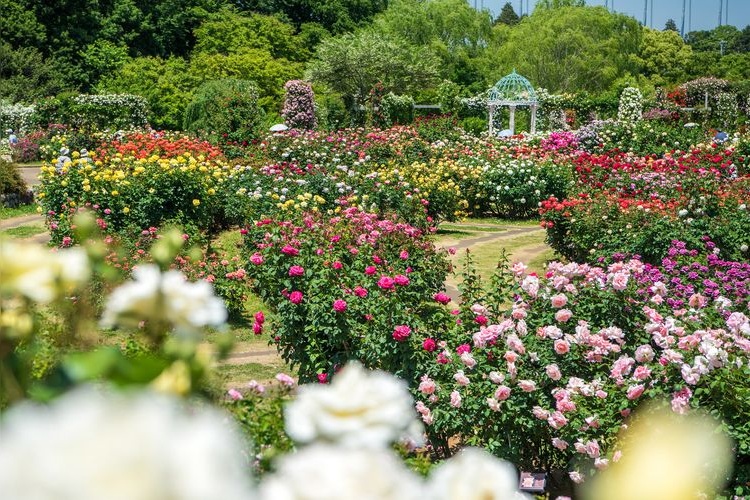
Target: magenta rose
[(295, 297), (339, 305), (296, 271), (401, 333)]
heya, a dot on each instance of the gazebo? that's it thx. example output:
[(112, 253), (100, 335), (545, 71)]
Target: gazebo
[(512, 90)]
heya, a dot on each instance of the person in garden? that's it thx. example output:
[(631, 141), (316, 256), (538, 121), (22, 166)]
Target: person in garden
[(85, 158), (62, 159), (12, 138)]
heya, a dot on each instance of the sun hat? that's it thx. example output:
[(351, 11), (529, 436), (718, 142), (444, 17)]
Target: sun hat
[(64, 150)]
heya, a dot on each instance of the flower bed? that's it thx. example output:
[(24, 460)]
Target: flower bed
[(548, 380)]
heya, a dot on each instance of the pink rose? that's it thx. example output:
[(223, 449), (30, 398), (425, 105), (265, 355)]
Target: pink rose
[(557, 420), (460, 378), (642, 372), (560, 444), (427, 385), (553, 372), (256, 259), (234, 394), (635, 391), (260, 317), (386, 282), (463, 348), (296, 271), (289, 250), (502, 393), (441, 297), (455, 399), (257, 328), (561, 346), (360, 292), (295, 297), (540, 413), (620, 281), (429, 345), (339, 305), (370, 270), (401, 333), (527, 385), (403, 255), (322, 378), (644, 353), (337, 265), (401, 280), (285, 379), (563, 315), (559, 300)]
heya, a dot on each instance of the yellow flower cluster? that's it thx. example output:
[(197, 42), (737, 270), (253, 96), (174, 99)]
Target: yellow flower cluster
[(120, 174), (440, 181), (301, 202)]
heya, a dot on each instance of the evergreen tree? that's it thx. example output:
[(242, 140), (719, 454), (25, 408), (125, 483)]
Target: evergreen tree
[(507, 15), (671, 26)]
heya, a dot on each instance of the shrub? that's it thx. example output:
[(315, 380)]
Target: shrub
[(299, 105), (631, 105), (399, 109), (352, 286), (11, 182), (225, 111)]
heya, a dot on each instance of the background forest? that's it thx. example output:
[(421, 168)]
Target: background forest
[(164, 50)]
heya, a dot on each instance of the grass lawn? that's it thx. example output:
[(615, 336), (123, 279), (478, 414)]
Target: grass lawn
[(7, 213), (24, 231)]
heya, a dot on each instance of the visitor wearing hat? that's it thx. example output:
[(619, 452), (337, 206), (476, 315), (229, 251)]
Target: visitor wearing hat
[(62, 159), (12, 139), (84, 157)]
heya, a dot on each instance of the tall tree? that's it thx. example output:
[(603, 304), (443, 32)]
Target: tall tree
[(671, 26), (570, 48), (508, 15), (351, 64), (664, 56)]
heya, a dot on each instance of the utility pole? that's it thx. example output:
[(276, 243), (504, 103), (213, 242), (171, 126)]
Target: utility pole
[(721, 5), (690, 15), (726, 13), (652, 13), (645, 10), (520, 9), (682, 25)]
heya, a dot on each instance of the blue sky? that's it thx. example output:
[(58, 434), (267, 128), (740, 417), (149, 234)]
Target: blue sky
[(705, 14)]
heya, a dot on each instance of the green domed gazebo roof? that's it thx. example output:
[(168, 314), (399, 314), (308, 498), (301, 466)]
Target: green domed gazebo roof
[(512, 89)]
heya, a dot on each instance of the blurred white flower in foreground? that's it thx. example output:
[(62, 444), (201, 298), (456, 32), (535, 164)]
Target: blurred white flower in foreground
[(169, 297), (359, 409), (333, 473), (474, 474), (94, 445), (666, 456), (40, 274)]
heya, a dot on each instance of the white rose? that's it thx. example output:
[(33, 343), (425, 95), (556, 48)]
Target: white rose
[(154, 295), (40, 275), (333, 473), (474, 474), (91, 444), (360, 408)]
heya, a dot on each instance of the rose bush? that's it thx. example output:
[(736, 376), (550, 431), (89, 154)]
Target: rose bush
[(350, 286), (549, 379)]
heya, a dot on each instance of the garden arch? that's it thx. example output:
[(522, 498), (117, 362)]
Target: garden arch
[(512, 91)]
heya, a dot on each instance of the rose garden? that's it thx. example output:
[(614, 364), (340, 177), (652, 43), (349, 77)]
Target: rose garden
[(389, 364)]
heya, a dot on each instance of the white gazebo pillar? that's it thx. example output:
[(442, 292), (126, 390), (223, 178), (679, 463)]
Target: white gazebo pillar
[(492, 119), (512, 124), (533, 118)]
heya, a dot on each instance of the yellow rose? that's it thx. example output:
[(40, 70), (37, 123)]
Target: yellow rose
[(196, 202)]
